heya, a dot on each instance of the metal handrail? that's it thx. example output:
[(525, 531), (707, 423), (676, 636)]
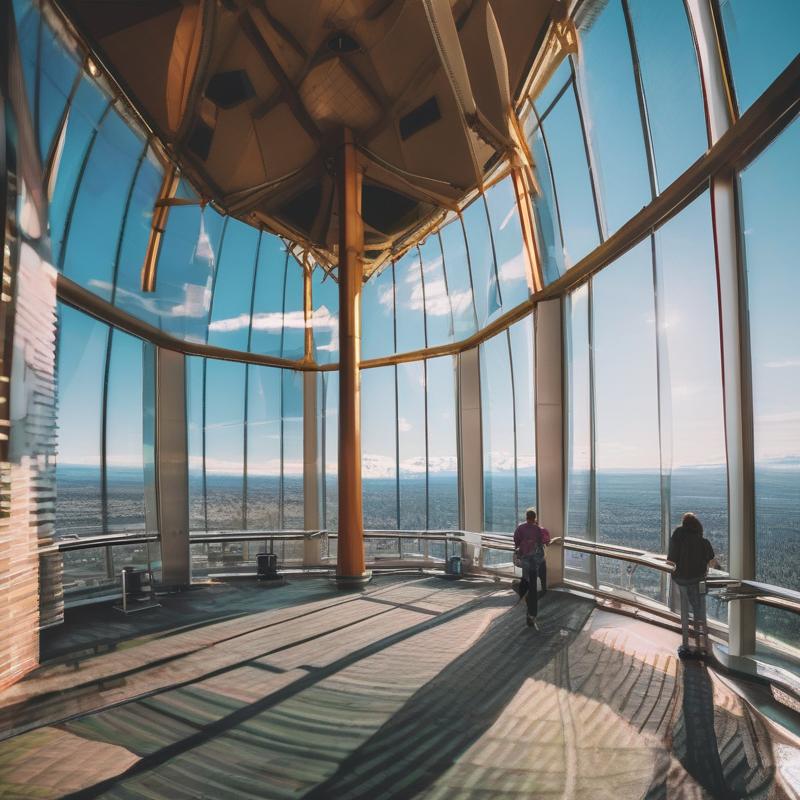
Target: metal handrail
[(736, 589)]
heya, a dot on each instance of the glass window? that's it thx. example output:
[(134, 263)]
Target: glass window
[(263, 448), (224, 451), (293, 343), (189, 252), (442, 444), (771, 241), (458, 274), (136, 233), (762, 40), (292, 439), (412, 445), (579, 450), (567, 156), (523, 373), (195, 424), (82, 344), (611, 109), (509, 248), (553, 87), (671, 81), (325, 316), (269, 293), (379, 448), (58, 71), (551, 248), (85, 114), (481, 256), (692, 413), (377, 315), (233, 287), (124, 437), (499, 447), (626, 403), (90, 252), (410, 302), (438, 311), (329, 454)]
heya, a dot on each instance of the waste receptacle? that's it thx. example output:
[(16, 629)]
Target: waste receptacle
[(454, 568), (267, 564), (131, 582)]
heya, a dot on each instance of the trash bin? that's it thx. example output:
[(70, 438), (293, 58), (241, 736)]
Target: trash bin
[(454, 568), (131, 582), (267, 564)]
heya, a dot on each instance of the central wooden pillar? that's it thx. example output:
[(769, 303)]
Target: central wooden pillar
[(350, 570)]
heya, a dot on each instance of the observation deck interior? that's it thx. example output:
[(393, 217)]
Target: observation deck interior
[(306, 305), (414, 687)]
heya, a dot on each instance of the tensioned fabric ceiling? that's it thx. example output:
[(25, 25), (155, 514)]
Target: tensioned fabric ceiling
[(249, 98)]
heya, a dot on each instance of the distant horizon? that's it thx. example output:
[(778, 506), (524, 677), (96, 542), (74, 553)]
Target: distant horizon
[(787, 462)]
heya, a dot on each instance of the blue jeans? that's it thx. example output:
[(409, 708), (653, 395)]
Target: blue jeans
[(528, 583), (691, 597)]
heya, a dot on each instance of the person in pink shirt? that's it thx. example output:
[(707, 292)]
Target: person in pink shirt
[(529, 541)]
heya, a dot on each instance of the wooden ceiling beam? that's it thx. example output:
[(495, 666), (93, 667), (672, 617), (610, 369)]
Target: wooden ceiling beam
[(253, 34)]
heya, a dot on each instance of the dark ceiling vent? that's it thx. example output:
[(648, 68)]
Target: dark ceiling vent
[(420, 117), (228, 89), (199, 140), (343, 43), (386, 210), (301, 211)]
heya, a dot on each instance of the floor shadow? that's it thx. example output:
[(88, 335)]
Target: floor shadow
[(711, 744), (445, 717)]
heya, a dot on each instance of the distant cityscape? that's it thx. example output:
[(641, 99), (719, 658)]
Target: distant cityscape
[(628, 513)]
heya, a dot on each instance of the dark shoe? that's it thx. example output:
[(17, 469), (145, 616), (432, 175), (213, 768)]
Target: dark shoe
[(531, 622), (684, 651)]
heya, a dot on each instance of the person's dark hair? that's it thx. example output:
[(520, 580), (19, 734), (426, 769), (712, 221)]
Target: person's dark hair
[(691, 523), (530, 515)]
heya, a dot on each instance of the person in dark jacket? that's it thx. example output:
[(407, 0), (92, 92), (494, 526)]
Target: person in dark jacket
[(529, 542), (692, 555)]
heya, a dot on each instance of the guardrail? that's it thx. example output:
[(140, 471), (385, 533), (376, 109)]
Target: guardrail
[(733, 589)]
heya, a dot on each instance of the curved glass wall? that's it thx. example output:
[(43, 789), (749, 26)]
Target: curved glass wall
[(646, 434), (508, 425), (455, 282), (770, 243), (409, 446), (614, 125)]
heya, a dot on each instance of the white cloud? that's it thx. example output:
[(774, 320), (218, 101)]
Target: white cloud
[(403, 425), (512, 212), (784, 363), (513, 269)]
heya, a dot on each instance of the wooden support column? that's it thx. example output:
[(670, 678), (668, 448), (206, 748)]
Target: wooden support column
[(350, 570)]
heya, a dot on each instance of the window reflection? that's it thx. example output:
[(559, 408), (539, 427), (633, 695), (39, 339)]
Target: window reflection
[(325, 316), (509, 248), (82, 345), (771, 240), (626, 403), (379, 448), (692, 415), (409, 303), (671, 81), (611, 108), (124, 452), (762, 39), (508, 412), (232, 292)]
